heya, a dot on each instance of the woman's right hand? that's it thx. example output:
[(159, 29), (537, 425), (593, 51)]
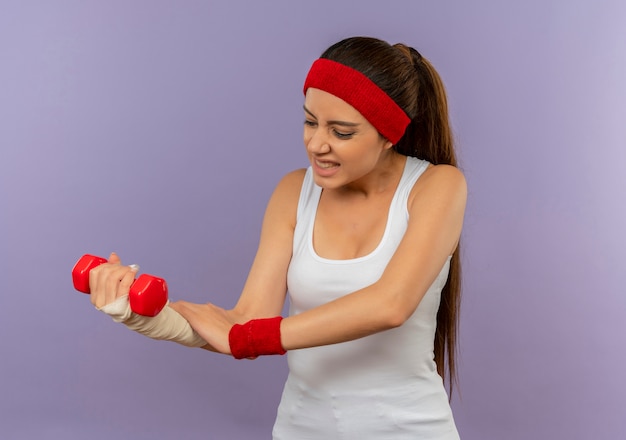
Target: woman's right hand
[(110, 281)]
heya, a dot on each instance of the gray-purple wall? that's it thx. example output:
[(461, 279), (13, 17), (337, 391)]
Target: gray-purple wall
[(158, 129)]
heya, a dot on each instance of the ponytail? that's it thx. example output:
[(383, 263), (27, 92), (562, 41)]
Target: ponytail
[(429, 137)]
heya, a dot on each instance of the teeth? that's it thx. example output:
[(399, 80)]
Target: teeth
[(326, 164)]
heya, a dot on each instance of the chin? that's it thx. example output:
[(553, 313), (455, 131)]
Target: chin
[(326, 182)]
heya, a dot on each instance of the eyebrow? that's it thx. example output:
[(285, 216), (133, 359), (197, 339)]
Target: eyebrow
[(333, 122)]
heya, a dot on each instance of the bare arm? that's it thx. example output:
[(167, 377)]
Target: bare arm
[(265, 289), (436, 211), (263, 294)]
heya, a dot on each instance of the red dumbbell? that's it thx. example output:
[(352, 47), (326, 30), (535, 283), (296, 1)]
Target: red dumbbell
[(147, 296)]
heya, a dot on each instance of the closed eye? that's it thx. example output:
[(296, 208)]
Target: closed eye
[(341, 135)]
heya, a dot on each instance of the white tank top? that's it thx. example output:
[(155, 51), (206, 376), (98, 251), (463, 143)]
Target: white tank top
[(383, 386)]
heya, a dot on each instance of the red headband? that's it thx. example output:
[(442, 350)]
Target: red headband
[(361, 93)]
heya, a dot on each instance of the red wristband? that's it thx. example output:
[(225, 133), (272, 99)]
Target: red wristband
[(256, 338)]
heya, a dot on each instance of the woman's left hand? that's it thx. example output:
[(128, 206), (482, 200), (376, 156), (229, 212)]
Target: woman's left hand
[(211, 322)]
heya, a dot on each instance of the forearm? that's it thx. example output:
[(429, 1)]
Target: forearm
[(383, 305), (354, 316), (168, 325), (350, 317)]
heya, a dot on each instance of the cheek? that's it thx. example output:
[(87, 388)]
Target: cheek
[(306, 136), (365, 157)]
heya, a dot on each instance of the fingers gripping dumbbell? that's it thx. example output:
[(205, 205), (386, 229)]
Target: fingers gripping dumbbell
[(147, 298), (147, 295)]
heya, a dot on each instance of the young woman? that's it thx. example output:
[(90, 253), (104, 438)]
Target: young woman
[(365, 242)]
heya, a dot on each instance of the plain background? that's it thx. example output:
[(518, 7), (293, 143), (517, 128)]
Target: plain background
[(158, 129)]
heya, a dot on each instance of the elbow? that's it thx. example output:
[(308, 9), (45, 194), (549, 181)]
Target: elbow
[(396, 320), (392, 308), (395, 316)]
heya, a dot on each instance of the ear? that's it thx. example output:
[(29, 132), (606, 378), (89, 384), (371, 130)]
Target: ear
[(387, 145)]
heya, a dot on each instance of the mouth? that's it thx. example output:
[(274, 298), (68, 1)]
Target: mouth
[(325, 165)]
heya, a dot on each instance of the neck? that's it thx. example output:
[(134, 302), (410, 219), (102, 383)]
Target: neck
[(383, 178)]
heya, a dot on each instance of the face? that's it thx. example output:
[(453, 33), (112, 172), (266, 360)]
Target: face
[(343, 147)]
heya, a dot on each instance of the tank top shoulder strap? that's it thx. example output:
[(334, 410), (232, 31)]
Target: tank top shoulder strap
[(305, 214), (412, 171), (309, 195)]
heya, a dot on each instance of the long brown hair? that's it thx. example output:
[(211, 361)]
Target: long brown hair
[(413, 83)]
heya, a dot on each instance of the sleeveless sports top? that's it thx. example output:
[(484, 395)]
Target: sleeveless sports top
[(383, 386)]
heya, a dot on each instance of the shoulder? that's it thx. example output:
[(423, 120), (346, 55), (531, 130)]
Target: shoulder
[(290, 184), (443, 174), (295, 176), (441, 178), (442, 183), (284, 201)]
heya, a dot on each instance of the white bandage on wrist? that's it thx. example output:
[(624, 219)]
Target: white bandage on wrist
[(168, 325)]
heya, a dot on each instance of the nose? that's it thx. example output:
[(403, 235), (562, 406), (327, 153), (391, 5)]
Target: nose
[(316, 141)]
